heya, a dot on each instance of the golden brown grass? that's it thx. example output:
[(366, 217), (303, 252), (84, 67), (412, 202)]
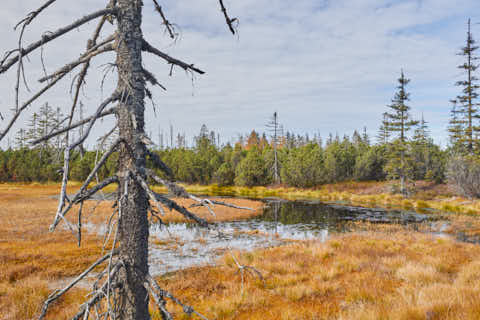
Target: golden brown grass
[(33, 260), (382, 275)]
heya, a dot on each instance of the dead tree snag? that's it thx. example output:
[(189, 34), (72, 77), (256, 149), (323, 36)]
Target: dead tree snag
[(122, 289)]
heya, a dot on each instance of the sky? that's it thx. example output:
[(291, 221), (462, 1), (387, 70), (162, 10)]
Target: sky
[(325, 66)]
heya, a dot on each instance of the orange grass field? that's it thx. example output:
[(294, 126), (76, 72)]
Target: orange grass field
[(33, 260), (373, 275), (385, 272)]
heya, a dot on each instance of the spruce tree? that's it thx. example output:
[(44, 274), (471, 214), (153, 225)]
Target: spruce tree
[(398, 123), (21, 139), (421, 134), (57, 122), (46, 122), (467, 102), (383, 133), (365, 137), (421, 145), (32, 132), (456, 127)]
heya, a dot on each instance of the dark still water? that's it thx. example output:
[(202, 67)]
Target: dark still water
[(183, 245), (318, 215)]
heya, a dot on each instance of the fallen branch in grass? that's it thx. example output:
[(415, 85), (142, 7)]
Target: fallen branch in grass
[(243, 268), (165, 294), (58, 293)]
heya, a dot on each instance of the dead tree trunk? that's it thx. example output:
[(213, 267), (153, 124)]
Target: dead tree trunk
[(125, 280), (133, 223), (274, 127)]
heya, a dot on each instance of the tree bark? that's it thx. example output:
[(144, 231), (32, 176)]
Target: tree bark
[(133, 224)]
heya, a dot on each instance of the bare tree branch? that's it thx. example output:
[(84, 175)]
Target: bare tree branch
[(165, 294), (20, 69), (24, 23), (187, 67), (27, 104), (58, 293), (5, 65), (108, 231), (83, 59), (82, 194), (114, 97), (19, 110), (225, 204), (160, 302), (243, 268), (73, 126), (96, 188), (149, 191), (82, 197), (98, 295), (66, 161), (151, 78), (109, 268), (174, 189), (227, 18), (79, 224), (159, 164), (83, 73), (179, 191), (167, 23), (32, 15), (184, 211)]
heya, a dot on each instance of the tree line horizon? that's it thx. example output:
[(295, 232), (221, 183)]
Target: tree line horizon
[(404, 150)]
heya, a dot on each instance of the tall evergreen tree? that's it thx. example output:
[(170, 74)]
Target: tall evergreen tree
[(456, 127), (399, 122), (467, 102), (383, 133), (57, 122), (421, 145), (365, 137), (46, 122), (421, 134), (21, 139), (32, 132)]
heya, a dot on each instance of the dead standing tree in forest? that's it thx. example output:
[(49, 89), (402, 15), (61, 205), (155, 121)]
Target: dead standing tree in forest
[(124, 286), (276, 130)]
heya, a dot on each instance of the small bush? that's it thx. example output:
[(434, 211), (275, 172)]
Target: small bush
[(464, 174), (225, 175)]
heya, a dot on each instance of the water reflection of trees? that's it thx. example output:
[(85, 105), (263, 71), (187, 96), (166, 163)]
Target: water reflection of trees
[(325, 216), (300, 212)]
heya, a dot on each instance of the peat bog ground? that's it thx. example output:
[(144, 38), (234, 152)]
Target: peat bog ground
[(376, 271)]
